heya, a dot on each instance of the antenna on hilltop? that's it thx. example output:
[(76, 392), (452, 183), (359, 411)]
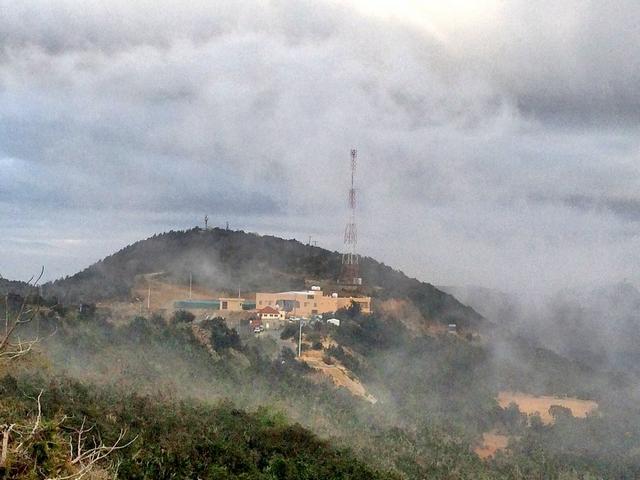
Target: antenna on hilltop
[(206, 222), (350, 258)]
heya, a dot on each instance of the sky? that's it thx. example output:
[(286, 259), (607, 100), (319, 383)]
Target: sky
[(497, 140)]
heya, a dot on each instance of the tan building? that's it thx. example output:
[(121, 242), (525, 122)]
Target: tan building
[(231, 304), (309, 302)]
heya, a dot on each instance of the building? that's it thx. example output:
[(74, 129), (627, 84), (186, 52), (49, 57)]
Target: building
[(231, 304), (272, 317), (309, 302), (270, 313)]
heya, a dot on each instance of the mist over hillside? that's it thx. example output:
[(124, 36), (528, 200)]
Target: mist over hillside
[(594, 325), (228, 260), (433, 401), (488, 143)]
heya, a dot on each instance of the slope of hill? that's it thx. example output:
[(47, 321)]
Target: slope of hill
[(227, 260)]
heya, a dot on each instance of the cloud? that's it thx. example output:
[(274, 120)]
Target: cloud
[(490, 152)]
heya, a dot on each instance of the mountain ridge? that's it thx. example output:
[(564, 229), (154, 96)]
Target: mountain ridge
[(227, 260)]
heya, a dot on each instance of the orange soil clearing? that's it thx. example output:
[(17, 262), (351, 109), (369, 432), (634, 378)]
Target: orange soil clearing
[(491, 443), (531, 404), (337, 373)]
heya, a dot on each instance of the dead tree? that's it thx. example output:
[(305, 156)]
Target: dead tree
[(11, 345), (86, 449)]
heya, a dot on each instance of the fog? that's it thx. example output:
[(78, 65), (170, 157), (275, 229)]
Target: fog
[(497, 144), (594, 325)]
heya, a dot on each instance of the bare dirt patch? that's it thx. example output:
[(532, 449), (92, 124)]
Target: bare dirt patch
[(337, 372), (492, 442), (407, 313), (532, 404)]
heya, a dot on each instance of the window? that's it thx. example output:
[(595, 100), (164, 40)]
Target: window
[(314, 312), (225, 305), (315, 304), (260, 302), (306, 304), (309, 297)]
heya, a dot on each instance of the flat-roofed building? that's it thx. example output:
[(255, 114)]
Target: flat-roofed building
[(309, 302), (231, 304)]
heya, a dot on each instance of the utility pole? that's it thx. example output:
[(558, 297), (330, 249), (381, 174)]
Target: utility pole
[(300, 340)]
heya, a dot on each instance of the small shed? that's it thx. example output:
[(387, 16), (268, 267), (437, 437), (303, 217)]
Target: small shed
[(231, 304)]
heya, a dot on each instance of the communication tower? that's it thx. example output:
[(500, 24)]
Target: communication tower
[(350, 259)]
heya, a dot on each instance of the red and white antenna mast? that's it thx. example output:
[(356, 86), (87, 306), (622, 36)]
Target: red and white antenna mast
[(350, 258)]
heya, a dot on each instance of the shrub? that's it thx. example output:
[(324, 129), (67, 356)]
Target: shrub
[(182, 316)]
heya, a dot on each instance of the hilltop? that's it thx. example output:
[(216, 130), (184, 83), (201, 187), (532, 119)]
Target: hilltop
[(227, 260)]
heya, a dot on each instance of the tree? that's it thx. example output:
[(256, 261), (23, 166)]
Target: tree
[(182, 316), (222, 337), (558, 412)]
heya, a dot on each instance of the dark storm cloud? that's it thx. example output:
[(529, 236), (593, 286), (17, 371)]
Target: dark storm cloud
[(487, 151), (625, 208)]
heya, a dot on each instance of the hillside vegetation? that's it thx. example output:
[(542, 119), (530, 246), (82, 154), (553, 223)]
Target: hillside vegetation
[(14, 287), (226, 260), (190, 397)]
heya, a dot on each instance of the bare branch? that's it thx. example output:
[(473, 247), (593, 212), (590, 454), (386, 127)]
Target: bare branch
[(39, 417), (81, 458), (5, 445), (86, 459), (8, 349)]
